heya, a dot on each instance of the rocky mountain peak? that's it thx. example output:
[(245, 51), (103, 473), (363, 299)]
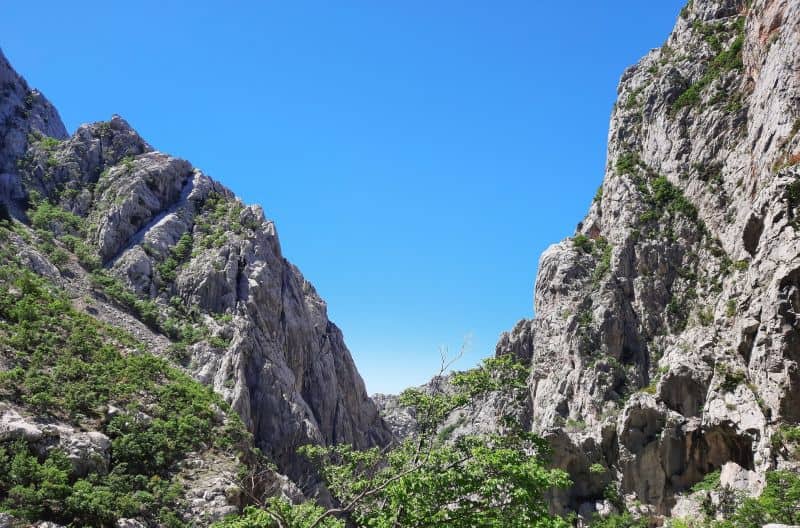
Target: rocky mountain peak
[(665, 347), (189, 268)]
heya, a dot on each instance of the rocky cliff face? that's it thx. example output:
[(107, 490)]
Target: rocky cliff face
[(665, 344), (174, 257), (22, 111)]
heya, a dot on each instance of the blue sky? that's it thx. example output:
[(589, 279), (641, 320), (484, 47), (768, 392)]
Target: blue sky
[(417, 156)]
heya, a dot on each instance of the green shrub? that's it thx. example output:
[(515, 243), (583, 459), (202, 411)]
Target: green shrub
[(741, 265), (127, 164), (597, 469), (583, 243), (779, 503), (793, 193), (145, 309), (618, 520), (49, 143), (627, 163), (724, 61), (731, 379), (685, 10), (705, 316), (652, 387), (68, 365), (648, 216), (602, 246), (49, 220), (598, 195), (787, 435), (223, 318), (179, 253), (575, 425), (668, 197), (218, 342), (710, 482), (292, 515), (49, 217)]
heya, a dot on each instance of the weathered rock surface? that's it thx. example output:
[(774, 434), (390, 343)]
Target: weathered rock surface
[(399, 418), (665, 342), (23, 111), (210, 288), (88, 451)]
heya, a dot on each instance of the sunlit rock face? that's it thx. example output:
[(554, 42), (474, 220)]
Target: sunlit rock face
[(665, 341), (665, 344), (270, 350)]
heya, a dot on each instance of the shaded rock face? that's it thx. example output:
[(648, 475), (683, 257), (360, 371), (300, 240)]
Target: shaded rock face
[(666, 342), (176, 237), (23, 111)]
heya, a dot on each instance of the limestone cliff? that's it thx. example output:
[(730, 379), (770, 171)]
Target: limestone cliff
[(665, 344), (175, 258)]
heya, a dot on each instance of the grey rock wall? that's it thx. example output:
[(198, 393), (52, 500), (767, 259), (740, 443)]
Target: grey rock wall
[(268, 345), (665, 342)]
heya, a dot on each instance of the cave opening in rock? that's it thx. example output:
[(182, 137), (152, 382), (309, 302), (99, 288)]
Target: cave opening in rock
[(722, 444)]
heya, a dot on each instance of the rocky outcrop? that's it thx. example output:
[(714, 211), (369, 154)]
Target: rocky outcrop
[(23, 112), (665, 341), (399, 418), (88, 451), (202, 272)]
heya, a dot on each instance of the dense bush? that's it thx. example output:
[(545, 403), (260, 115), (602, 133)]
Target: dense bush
[(627, 163), (779, 503), (280, 511), (51, 221), (621, 520), (710, 482), (667, 197), (145, 309), (68, 365)]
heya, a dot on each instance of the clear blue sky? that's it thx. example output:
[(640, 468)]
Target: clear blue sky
[(416, 155)]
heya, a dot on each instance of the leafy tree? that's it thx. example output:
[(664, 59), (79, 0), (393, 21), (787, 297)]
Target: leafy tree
[(779, 503), (473, 481)]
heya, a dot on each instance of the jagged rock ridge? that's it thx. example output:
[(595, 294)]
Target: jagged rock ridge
[(209, 286)]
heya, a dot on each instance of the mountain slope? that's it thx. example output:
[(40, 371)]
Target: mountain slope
[(149, 244)]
